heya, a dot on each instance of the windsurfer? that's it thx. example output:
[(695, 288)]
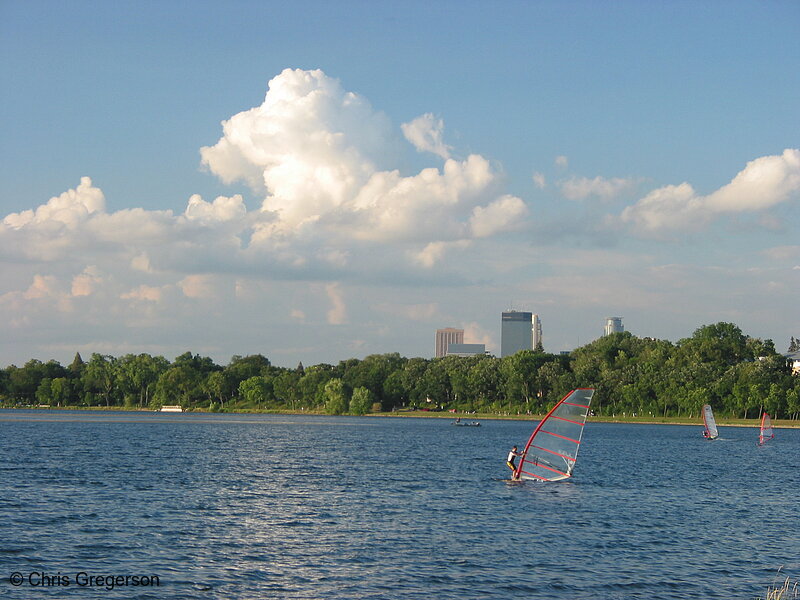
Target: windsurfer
[(512, 456)]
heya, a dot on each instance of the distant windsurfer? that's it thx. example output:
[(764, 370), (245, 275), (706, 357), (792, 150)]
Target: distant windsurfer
[(510, 461)]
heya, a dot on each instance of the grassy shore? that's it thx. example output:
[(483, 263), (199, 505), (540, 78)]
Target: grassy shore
[(646, 420)]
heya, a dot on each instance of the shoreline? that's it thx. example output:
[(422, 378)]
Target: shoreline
[(420, 414)]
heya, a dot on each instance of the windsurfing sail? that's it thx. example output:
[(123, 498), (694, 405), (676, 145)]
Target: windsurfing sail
[(710, 432), (552, 449), (766, 429)]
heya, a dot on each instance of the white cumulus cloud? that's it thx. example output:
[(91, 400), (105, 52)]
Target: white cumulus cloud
[(579, 188), (426, 133), (498, 216), (319, 155), (70, 208), (763, 183)]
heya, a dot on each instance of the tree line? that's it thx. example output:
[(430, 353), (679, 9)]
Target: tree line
[(738, 375)]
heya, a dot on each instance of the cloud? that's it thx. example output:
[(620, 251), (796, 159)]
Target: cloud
[(579, 188), (86, 283), (762, 184), (475, 334), (221, 210), (782, 253), (425, 312), (425, 133), (337, 315), (497, 217), (539, 180), (43, 286), (143, 292), (310, 146), (318, 154), (435, 251), (70, 209), (198, 286), (562, 161)]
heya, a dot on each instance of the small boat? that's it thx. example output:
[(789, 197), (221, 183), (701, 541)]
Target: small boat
[(458, 423), (710, 432), (765, 432), (552, 449), (176, 408)]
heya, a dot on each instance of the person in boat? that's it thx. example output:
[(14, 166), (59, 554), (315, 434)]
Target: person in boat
[(512, 457)]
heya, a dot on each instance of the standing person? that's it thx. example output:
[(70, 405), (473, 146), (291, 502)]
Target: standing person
[(512, 456)]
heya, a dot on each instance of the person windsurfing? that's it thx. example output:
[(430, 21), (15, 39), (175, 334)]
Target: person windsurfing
[(510, 460)]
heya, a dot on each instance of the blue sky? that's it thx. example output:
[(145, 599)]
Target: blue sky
[(389, 169)]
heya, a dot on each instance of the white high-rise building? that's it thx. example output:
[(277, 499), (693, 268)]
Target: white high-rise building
[(614, 325), (537, 332), (445, 337)]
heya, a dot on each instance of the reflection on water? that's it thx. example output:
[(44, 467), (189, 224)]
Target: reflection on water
[(262, 506)]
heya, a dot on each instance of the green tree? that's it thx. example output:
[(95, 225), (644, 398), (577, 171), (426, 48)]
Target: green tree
[(177, 385), (61, 391), (219, 387), (255, 391), (361, 401), (100, 376), (311, 385), (286, 387), (335, 400), (44, 394)]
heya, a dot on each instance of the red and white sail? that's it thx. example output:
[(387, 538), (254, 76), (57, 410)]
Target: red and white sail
[(710, 423), (552, 449), (766, 429)]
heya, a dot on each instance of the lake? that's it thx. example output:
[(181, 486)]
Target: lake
[(315, 507)]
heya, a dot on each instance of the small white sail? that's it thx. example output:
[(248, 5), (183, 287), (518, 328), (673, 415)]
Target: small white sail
[(711, 425), (766, 429)]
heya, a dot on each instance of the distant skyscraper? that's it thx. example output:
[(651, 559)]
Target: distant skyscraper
[(537, 331), (516, 333), (445, 337), (614, 325)]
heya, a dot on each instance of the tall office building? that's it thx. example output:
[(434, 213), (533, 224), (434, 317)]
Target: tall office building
[(516, 333), (614, 325), (445, 337), (537, 332)]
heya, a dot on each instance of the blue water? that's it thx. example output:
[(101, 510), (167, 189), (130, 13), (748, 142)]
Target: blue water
[(264, 506)]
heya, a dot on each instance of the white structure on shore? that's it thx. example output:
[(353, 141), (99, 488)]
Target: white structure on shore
[(614, 325)]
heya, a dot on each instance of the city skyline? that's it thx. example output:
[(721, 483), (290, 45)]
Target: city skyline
[(322, 181)]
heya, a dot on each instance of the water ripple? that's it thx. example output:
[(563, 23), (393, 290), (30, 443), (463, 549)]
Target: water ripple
[(240, 507)]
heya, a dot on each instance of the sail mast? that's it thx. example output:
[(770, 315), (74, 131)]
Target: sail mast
[(552, 449), (765, 432)]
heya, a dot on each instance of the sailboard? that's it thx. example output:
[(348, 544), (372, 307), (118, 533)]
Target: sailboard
[(710, 432), (766, 430), (552, 449)]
